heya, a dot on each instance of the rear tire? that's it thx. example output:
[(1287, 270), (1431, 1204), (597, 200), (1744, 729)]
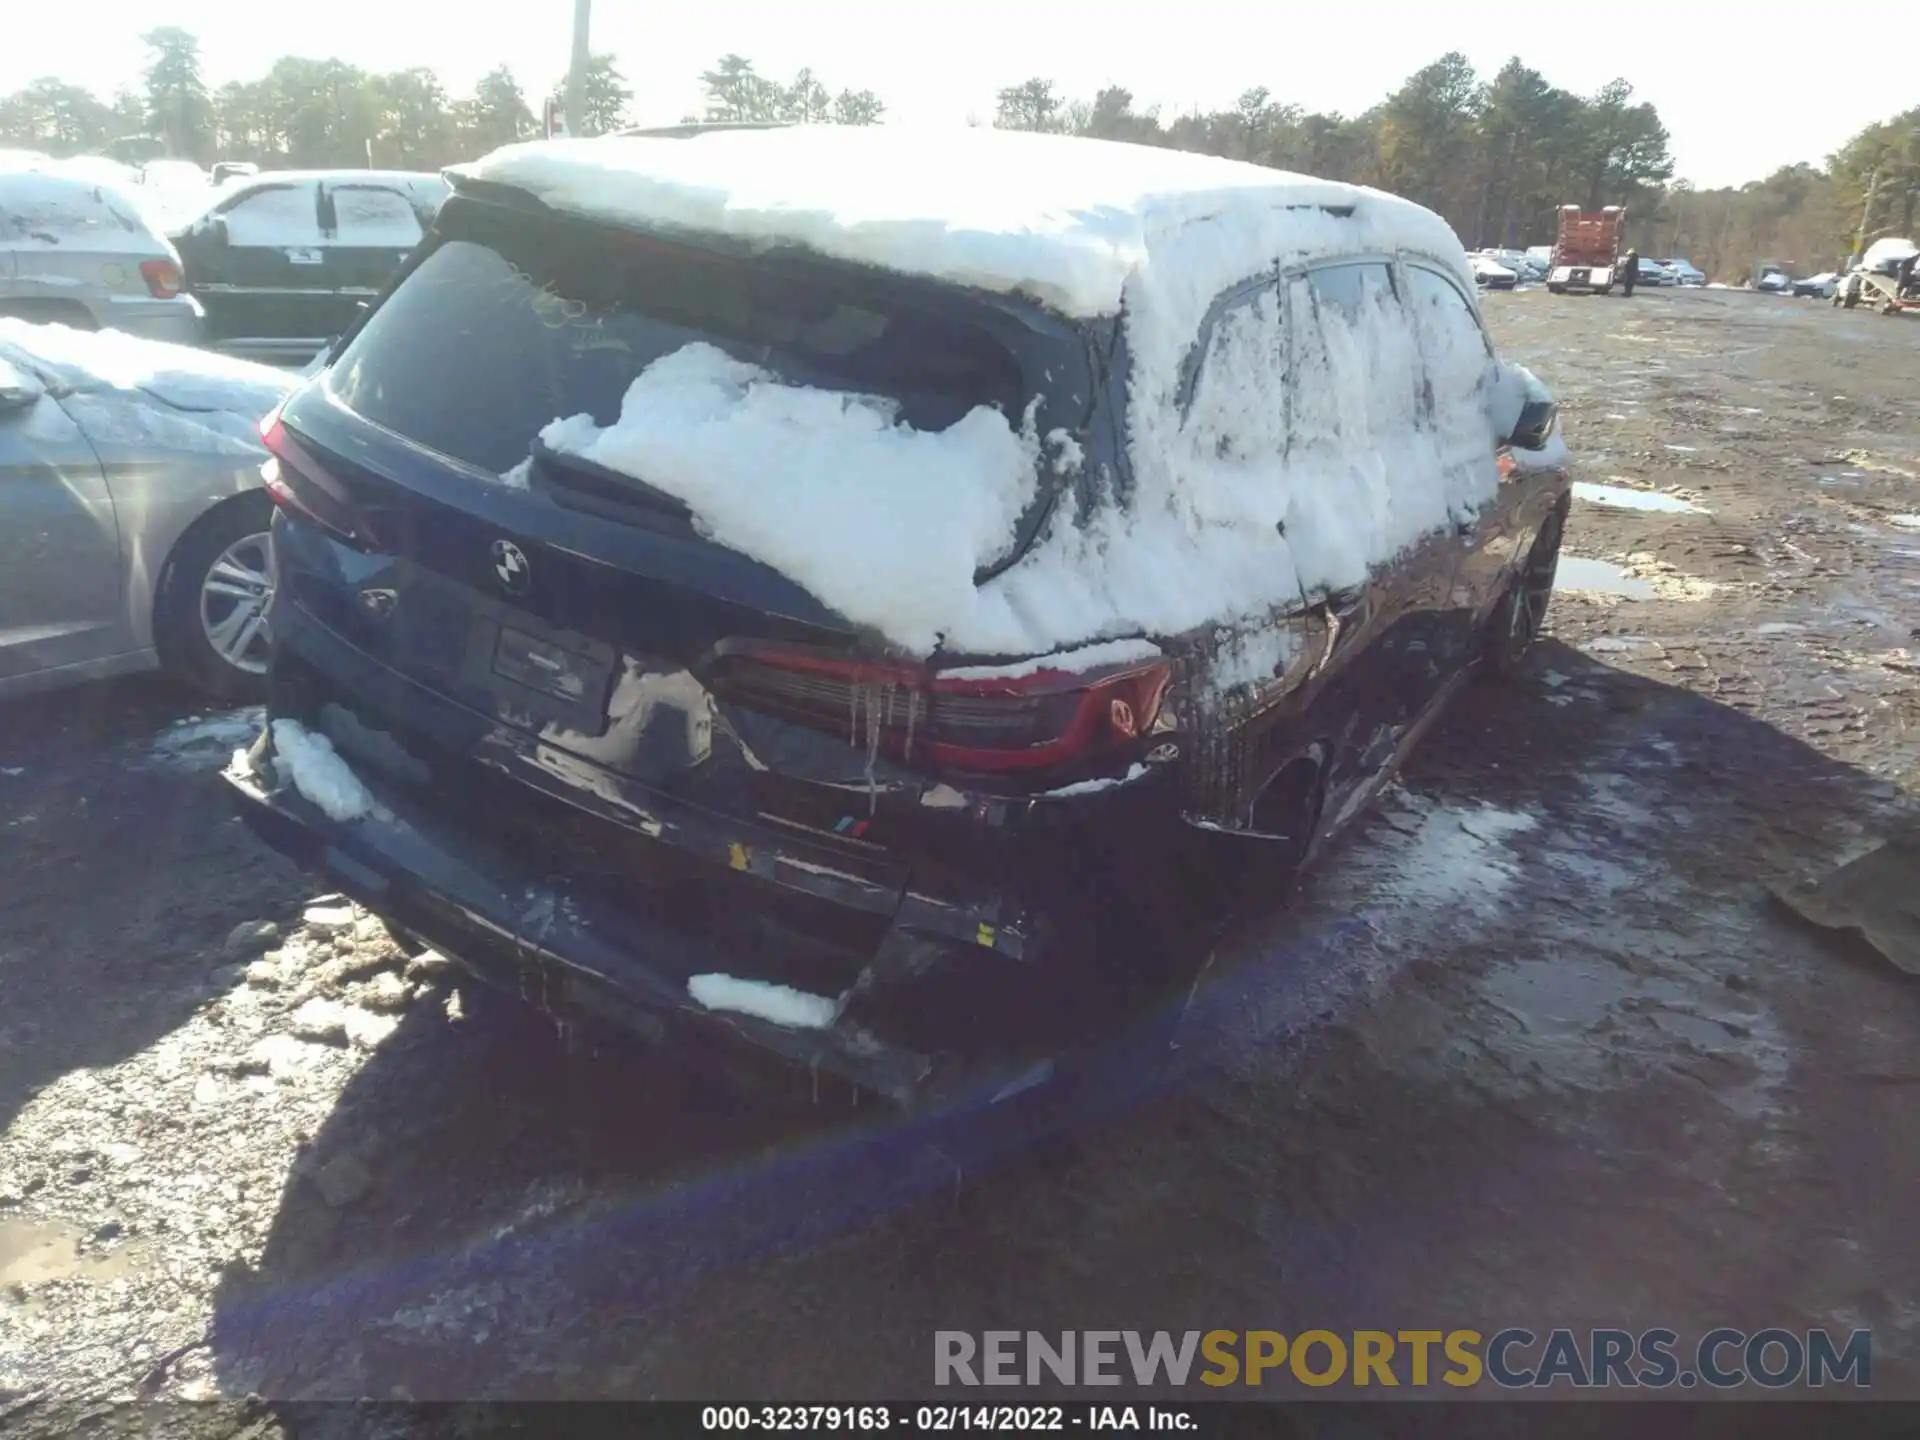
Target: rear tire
[(196, 607), (1516, 620)]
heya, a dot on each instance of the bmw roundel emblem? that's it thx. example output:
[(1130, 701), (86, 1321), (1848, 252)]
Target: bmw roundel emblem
[(510, 565)]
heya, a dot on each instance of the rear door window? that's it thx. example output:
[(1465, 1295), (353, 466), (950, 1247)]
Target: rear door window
[(1238, 408), (373, 216), (516, 322), (1359, 484), (1355, 357), (279, 216), (1455, 352)]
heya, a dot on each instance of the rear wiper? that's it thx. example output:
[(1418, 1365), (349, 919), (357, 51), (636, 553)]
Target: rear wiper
[(607, 483)]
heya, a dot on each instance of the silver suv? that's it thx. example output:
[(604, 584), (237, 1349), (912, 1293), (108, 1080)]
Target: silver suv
[(81, 254)]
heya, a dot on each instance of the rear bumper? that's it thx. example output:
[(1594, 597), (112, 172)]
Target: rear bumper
[(178, 321), (571, 955), (272, 350)]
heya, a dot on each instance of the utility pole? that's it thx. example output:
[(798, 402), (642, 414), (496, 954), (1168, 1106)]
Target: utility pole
[(577, 72), (1866, 214)]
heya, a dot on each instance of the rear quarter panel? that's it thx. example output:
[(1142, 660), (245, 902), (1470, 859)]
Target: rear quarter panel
[(165, 468)]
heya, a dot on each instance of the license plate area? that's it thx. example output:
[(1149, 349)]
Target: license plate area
[(541, 675)]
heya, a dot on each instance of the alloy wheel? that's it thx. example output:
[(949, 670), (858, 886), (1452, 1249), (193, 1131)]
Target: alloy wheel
[(233, 604)]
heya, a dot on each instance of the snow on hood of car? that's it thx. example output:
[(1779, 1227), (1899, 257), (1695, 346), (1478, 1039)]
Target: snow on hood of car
[(146, 394), (90, 361), (1064, 220)]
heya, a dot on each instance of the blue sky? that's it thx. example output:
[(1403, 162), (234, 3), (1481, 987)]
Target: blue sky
[(1726, 78)]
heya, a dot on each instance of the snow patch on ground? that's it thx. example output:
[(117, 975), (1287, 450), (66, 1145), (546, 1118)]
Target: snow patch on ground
[(780, 1004), (203, 742), (318, 773), (1620, 497)]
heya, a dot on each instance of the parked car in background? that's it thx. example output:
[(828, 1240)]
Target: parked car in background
[(1773, 278), (1822, 286), (1490, 274), (284, 261), (172, 192), (133, 529), (1652, 272), (1685, 272), (82, 254), (899, 814), (1516, 261)]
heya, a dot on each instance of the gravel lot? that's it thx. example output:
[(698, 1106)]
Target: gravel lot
[(1534, 1049)]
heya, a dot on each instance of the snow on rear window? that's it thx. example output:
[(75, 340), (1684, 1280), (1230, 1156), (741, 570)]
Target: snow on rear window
[(282, 215), (494, 337), (884, 522), (369, 215), (38, 209)]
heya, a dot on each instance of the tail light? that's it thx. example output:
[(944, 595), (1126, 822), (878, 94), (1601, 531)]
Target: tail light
[(162, 277), (300, 485), (1037, 721)]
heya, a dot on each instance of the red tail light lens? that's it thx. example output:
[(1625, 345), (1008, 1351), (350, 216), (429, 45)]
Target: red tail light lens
[(301, 486), (162, 277), (1037, 721)]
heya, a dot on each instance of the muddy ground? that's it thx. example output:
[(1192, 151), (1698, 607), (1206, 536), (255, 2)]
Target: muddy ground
[(1534, 1049)]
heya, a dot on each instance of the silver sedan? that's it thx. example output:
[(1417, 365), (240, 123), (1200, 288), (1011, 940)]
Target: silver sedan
[(133, 525)]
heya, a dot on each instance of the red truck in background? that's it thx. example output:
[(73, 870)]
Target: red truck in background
[(1586, 252)]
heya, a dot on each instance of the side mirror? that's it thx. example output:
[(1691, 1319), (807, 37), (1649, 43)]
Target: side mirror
[(215, 231), (1535, 425)]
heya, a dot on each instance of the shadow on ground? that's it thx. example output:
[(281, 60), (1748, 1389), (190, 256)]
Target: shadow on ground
[(652, 1235), (124, 872)]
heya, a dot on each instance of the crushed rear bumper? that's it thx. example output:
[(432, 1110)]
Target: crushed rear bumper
[(575, 956)]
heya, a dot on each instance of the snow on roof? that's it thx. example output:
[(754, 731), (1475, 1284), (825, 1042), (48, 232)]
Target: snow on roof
[(340, 176), (1065, 220)]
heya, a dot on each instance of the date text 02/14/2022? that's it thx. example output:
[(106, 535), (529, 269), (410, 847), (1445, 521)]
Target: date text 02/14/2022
[(941, 1419)]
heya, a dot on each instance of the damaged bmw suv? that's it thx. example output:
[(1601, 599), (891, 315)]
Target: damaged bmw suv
[(857, 592)]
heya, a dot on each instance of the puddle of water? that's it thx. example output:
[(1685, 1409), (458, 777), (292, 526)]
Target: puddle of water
[(1603, 577), (1597, 1025), (1905, 522), (32, 1254), (1682, 449), (1779, 627), (1620, 498)]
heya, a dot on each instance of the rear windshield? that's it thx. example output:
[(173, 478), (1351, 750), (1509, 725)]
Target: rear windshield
[(48, 211), (515, 324)]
